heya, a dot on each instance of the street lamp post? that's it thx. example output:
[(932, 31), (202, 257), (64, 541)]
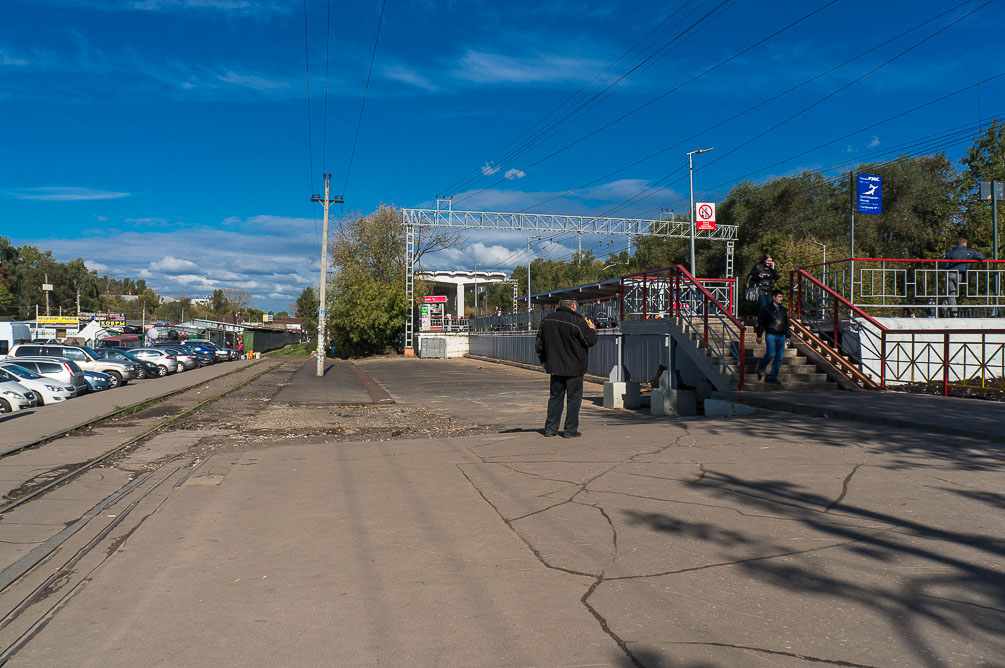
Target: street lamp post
[(690, 171), (529, 258)]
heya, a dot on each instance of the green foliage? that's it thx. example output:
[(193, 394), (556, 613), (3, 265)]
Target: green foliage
[(306, 308), (984, 161), (367, 305), (295, 350)]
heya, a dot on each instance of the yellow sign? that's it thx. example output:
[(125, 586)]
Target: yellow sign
[(56, 320)]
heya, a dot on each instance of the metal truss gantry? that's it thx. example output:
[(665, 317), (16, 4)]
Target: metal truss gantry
[(444, 216)]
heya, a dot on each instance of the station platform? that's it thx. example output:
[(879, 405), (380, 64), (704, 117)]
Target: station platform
[(343, 383)]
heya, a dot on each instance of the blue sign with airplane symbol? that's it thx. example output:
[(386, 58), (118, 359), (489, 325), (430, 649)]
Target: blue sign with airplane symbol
[(869, 194)]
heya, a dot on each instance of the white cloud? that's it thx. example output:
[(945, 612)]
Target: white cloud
[(64, 194), (96, 266), (874, 142), (513, 174), (495, 68), (409, 76), (253, 81), (488, 169), (172, 265)]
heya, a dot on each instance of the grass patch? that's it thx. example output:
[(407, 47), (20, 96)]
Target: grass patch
[(295, 350)]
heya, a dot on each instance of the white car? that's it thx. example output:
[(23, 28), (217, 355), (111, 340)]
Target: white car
[(47, 390), (15, 397), (164, 359)]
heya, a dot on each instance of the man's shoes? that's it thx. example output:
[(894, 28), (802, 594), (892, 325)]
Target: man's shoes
[(773, 381), (760, 373), (571, 434), (548, 433)]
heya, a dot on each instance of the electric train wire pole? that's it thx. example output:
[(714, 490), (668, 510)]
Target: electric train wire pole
[(326, 201), (690, 171)]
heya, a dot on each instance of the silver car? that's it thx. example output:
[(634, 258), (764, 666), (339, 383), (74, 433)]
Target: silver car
[(186, 358), (15, 397), (164, 359), (60, 369), (47, 391), (86, 358)]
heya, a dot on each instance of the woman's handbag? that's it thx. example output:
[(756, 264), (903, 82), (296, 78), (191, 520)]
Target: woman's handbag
[(750, 293)]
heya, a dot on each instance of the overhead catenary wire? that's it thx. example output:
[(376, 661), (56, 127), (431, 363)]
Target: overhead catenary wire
[(636, 198), (366, 89), (310, 135), (662, 95), (596, 96), (749, 109), (458, 183), (324, 140)]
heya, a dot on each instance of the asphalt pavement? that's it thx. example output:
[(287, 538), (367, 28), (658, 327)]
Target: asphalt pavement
[(767, 540)]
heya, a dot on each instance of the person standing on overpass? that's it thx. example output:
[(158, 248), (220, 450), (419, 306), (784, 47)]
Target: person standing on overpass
[(958, 271), (562, 344)]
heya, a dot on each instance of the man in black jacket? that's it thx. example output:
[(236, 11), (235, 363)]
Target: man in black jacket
[(562, 344), (957, 271), (773, 323)]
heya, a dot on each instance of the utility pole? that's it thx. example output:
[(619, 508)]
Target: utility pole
[(529, 258), (326, 202), (78, 299), (47, 290), (690, 171)]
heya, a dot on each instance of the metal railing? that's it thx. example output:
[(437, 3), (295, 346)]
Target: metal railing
[(954, 357), (909, 287), (711, 322), (444, 323)]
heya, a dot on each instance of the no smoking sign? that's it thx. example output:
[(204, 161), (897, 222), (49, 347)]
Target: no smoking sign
[(705, 216)]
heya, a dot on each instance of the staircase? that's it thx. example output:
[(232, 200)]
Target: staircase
[(796, 372)]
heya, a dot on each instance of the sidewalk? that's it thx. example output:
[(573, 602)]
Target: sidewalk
[(768, 540), (941, 415)]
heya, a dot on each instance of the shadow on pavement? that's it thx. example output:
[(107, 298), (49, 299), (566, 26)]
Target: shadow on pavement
[(933, 587)]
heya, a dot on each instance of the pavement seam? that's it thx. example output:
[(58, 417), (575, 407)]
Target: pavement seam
[(814, 659), (844, 488)]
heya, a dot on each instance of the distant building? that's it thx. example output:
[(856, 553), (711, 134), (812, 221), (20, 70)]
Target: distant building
[(290, 324)]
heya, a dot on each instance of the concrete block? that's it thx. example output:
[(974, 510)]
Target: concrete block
[(622, 395), (614, 395), (673, 402), (722, 408)]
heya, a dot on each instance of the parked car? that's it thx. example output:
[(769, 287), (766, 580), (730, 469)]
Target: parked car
[(15, 397), (98, 381), (164, 359), (222, 352), (59, 369), (203, 354), (47, 391), (121, 341), (144, 368), (87, 358), (206, 350), (187, 359)]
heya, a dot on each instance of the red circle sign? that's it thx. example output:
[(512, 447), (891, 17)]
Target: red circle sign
[(704, 212)]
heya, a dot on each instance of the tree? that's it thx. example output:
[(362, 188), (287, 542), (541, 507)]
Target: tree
[(306, 308), (367, 306), (984, 161), (219, 303), (238, 299)]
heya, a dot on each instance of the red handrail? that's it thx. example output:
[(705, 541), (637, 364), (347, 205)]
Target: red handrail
[(710, 299)]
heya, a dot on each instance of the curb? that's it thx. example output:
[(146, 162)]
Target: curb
[(774, 404)]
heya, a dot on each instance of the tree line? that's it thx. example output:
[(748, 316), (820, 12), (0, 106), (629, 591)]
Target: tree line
[(927, 202)]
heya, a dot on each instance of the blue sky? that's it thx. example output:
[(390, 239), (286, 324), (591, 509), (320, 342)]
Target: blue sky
[(169, 139)]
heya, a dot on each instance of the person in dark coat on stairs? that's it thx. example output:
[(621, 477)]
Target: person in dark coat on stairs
[(773, 323), (763, 277), (562, 344)]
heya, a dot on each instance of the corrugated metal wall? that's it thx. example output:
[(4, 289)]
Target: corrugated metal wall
[(643, 353)]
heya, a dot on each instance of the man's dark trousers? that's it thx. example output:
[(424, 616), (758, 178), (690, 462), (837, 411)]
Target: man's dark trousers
[(562, 387)]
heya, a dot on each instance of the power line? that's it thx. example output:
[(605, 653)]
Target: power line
[(362, 105), (635, 199), (664, 94), (747, 110), (601, 92), (310, 135), (328, 37), (458, 182)]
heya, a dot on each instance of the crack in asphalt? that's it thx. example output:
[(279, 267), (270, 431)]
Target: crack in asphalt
[(804, 657), (844, 488)]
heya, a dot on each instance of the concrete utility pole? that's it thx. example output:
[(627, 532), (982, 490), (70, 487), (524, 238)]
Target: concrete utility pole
[(529, 259), (326, 202), (47, 288), (690, 171)]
